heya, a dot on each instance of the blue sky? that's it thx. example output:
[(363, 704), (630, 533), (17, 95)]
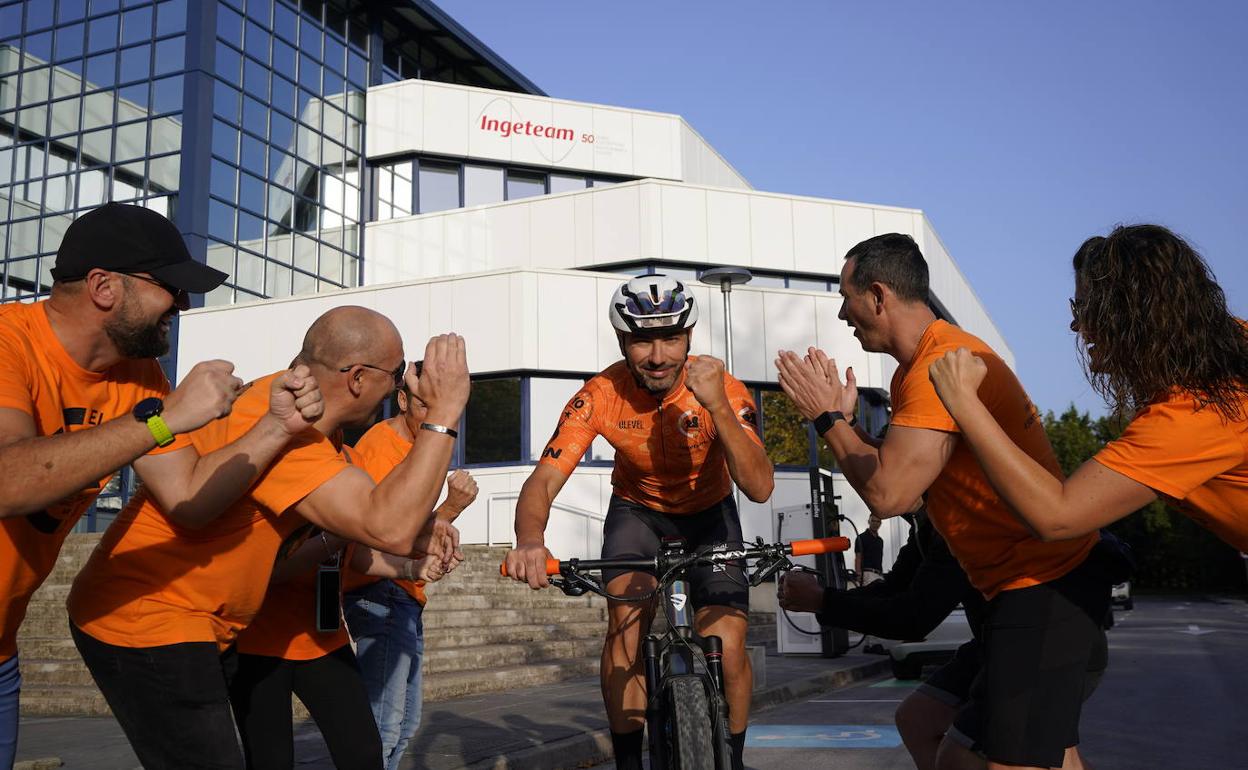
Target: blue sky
[(1019, 128)]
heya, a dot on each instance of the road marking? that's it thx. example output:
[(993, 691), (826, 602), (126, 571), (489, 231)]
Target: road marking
[(823, 736), (857, 700), (1194, 630), (896, 683)]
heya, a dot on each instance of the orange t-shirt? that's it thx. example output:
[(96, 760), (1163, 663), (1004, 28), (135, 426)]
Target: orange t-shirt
[(38, 377), (285, 626), (378, 451), (151, 582), (1192, 456), (995, 548), (667, 456)]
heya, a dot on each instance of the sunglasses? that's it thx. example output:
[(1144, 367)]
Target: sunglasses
[(396, 375), (180, 296)]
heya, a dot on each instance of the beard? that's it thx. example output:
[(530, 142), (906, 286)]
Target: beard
[(133, 336), (654, 385)]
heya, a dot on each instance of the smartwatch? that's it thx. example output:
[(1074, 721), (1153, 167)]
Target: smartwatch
[(824, 422), (148, 412)]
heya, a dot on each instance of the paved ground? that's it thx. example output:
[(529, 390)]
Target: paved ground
[(1175, 696), (546, 727)]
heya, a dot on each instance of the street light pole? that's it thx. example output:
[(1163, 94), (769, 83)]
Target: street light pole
[(725, 278)]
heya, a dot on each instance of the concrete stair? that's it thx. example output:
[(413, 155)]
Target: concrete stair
[(482, 634)]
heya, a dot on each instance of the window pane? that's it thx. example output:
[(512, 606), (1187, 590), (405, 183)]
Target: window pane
[(522, 185), (136, 63), (103, 34), (439, 187), (136, 26), (170, 55), (808, 284), (560, 183), (170, 17), (69, 42), (492, 422), (102, 71), (482, 184), (784, 431)]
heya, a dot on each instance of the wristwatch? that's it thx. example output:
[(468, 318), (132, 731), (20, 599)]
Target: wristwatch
[(824, 422), (148, 412)]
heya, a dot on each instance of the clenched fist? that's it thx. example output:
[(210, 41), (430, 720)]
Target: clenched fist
[(800, 592), (461, 490), (957, 376), (206, 393), (705, 377), (295, 399)]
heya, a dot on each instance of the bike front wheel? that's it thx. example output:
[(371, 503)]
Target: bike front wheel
[(689, 722)]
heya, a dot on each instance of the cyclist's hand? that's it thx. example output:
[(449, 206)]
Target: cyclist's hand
[(705, 377), (800, 592), (527, 564)]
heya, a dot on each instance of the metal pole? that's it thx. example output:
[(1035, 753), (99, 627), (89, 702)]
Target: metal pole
[(726, 288), (725, 277)]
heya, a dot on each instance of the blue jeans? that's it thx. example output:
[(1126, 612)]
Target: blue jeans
[(389, 634), (10, 691)]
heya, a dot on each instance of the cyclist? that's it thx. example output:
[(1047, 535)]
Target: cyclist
[(1160, 345), (683, 431), (1046, 600)]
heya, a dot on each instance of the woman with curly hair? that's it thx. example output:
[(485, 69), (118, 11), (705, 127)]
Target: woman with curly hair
[(1158, 342)]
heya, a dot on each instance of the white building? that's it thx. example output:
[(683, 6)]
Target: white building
[(532, 210)]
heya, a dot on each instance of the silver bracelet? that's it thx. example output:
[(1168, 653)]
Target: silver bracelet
[(439, 429)]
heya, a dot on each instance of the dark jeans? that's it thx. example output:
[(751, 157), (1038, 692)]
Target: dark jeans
[(172, 701), (331, 688)]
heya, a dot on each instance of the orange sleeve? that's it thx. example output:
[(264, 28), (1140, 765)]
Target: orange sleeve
[(1173, 448), (306, 463), (915, 403), (742, 402), (15, 385), (574, 434)]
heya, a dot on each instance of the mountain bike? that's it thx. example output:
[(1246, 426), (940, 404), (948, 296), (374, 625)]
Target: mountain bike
[(686, 711)]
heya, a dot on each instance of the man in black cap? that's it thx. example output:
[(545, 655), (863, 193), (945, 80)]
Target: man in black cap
[(81, 395)]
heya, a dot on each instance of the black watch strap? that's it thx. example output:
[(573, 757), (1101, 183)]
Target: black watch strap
[(825, 421)]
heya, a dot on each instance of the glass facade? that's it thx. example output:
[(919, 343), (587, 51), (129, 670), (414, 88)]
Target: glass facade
[(242, 120), (90, 111)]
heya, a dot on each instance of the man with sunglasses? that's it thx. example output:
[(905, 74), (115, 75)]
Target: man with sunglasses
[(157, 609), (683, 432), (81, 395)]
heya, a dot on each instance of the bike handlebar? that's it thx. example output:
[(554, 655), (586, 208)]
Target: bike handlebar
[(795, 548)]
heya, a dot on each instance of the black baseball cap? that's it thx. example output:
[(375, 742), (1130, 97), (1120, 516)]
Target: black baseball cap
[(131, 239)]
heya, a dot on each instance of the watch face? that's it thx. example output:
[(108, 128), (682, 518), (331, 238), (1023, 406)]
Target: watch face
[(147, 408)]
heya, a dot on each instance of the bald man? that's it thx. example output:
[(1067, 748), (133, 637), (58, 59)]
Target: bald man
[(157, 608)]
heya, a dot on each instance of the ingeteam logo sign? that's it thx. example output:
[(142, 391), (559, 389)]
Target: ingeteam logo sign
[(526, 128), (502, 117)]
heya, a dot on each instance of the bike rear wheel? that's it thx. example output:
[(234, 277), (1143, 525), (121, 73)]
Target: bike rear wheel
[(690, 727)]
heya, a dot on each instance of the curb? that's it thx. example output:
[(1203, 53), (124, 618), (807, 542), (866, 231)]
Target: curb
[(592, 748), (43, 763)]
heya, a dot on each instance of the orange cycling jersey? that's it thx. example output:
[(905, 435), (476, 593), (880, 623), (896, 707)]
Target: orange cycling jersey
[(667, 456)]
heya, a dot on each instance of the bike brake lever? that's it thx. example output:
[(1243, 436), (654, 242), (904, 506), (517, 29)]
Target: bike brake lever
[(772, 568)]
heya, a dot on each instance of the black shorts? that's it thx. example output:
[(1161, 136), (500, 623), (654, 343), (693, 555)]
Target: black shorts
[(951, 683), (633, 531), (1043, 652)]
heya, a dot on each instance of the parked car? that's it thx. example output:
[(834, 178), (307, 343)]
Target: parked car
[(1121, 595)]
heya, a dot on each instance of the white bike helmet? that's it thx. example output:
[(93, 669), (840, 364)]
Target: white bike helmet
[(652, 303)]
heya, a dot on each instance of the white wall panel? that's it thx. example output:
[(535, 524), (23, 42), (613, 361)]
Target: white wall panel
[(547, 397), (576, 154), (449, 136), (565, 303), (613, 141), (656, 145), (487, 144), (854, 224), (814, 237), (510, 232), (553, 241), (771, 232), (791, 323), (683, 217), (749, 339), (616, 223), (728, 228), (534, 150), (889, 221)]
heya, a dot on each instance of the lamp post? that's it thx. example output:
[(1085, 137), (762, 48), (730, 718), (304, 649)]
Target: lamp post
[(725, 278)]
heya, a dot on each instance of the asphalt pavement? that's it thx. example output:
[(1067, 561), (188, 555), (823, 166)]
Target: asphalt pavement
[(1175, 697)]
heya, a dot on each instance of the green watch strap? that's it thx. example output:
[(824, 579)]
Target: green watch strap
[(160, 431)]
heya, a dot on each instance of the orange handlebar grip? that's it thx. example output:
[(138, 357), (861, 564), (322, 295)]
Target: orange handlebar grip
[(822, 545), (552, 567)]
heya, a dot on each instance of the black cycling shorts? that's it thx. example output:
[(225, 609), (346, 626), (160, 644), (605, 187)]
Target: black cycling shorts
[(633, 531), (1043, 652), (951, 683)]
